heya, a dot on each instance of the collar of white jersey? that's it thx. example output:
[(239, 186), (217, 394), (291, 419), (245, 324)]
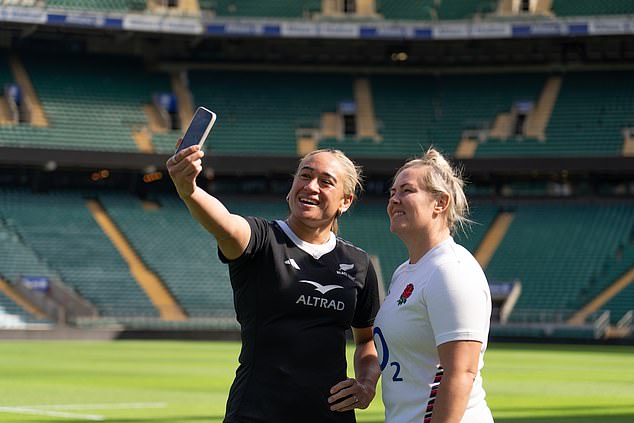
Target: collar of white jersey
[(315, 250), (437, 249)]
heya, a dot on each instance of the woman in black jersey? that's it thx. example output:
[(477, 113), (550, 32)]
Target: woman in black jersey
[(297, 289)]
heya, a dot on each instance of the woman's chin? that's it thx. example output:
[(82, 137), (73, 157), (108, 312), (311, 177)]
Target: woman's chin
[(308, 216), (398, 228)]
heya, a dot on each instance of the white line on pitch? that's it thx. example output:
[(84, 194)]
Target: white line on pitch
[(25, 410), (105, 406)]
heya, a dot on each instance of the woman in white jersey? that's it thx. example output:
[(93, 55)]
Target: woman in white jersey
[(431, 331)]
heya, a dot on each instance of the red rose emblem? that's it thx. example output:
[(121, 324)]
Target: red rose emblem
[(406, 294)]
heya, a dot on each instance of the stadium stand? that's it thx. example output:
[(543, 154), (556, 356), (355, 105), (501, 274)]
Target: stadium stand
[(590, 7), (415, 10), (414, 111), (179, 251), (59, 228), (203, 287), (569, 231), (15, 313), (261, 111), (458, 9), (468, 104), (544, 244), (621, 304), (108, 94), (98, 5), (617, 263), (407, 9), (554, 251), (367, 223), (481, 217), (13, 316), (17, 259), (5, 72), (6, 117), (589, 119), (277, 9)]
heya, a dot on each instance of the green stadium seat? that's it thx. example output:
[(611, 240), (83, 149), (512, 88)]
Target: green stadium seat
[(555, 251), (120, 6), (256, 9), (588, 118), (177, 249), (62, 232), (259, 112), (413, 10), (592, 7), (460, 9), (91, 103)]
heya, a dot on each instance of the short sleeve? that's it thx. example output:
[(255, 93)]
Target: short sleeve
[(458, 304), (259, 234), (367, 301)]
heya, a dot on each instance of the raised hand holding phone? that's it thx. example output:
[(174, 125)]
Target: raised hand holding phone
[(198, 129), (183, 169)]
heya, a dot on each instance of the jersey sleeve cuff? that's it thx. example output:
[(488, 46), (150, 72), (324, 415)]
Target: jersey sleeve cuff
[(361, 325), (461, 336)]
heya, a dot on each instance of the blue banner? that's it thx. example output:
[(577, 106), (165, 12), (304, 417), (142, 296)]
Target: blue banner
[(246, 27), (36, 283)]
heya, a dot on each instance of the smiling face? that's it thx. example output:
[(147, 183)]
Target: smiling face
[(412, 208), (317, 194)]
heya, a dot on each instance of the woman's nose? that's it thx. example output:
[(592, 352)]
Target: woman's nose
[(313, 185)]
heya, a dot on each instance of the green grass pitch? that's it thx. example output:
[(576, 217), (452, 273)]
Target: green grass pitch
[(187, 382)]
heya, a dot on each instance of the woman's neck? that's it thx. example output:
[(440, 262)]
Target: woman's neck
[(418, 246), (307, 233)]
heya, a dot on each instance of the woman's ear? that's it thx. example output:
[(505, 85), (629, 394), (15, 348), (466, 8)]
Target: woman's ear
[(442, 202), (345, 204)]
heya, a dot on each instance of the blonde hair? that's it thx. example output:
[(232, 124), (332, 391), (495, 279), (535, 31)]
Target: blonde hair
[(352, 176), (443, 178)]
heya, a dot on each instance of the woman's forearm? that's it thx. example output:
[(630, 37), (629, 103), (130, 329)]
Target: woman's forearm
[(453, 396), (366, 365), (231, 231)]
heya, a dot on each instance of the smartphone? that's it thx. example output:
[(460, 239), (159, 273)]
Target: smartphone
[(198, 128)]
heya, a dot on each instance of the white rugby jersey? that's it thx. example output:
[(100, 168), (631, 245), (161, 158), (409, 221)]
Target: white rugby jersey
[(443, 297)]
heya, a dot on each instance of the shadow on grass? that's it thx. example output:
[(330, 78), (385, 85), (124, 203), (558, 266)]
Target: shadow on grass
[(170, 419), (560, 347), (615, 418), (620, 418), (593, 414), (599, 410), (619, 413)]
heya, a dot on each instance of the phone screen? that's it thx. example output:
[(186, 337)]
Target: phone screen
[(198, 128)]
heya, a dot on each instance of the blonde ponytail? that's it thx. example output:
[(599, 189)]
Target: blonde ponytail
[(443, 178)]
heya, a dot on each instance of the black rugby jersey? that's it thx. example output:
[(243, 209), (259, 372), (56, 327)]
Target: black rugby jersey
[(293, 310)]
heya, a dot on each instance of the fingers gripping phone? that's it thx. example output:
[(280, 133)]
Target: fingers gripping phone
[(198, 128)]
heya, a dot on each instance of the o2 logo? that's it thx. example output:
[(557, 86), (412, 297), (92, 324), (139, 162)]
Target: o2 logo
[(384, 355)]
